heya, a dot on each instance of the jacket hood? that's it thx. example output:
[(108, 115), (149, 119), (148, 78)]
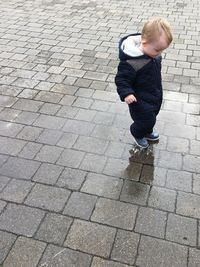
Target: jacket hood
[(129, 47)]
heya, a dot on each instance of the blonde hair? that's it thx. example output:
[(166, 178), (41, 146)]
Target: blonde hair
[(153, 28)]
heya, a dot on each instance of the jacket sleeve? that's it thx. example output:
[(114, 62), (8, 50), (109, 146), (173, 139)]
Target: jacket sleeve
[(124, 79)]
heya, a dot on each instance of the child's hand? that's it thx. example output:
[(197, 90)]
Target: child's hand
[(130, 99)]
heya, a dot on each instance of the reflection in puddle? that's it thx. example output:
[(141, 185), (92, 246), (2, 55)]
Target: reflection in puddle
[(141, 164)]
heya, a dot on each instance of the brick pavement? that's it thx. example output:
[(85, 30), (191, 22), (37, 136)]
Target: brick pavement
[(72, 192)]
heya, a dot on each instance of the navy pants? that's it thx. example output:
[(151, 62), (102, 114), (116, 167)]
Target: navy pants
[(143, 122)]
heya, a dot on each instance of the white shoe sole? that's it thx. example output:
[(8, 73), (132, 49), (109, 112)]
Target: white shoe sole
[(152, 139)]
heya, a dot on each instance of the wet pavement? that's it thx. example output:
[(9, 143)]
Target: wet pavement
[(73, 190)]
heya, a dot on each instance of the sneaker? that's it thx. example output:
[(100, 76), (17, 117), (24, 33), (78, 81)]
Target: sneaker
[(141, 142), (152, 137)]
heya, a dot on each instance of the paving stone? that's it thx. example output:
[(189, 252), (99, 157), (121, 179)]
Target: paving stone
[(49, 154), (188, 205), (49, 122), (179, 130), (7, 101), (125, 247), (85, 115), (7, 240), (16, 190), (114, 213), (194, 257), (67, 140), (80, 205), (102, 185), (108, 132), (28, 105), (134, 192), (8, 114), (160, 253), (93, 163), (115, 149), (71, 178), (68, 112), (48, 197), (62, 257), (181, 229), (47, 173), (9, 129), (48, 97), (196, 183), (54, 228), (82, 102), (19, 168), (71, 158), (26, 117), (176, 144), (2, 205), (49, 137), (191, 163), (49, 108), (170, 160), (90, 238), (3, 182), (11, 146), (151, 222), (99, 262), (162, 198), (44, 86), (78, 127), (30, 150), (91, 144), (104, 118), (20, 219), (30, 133), (25, 252), (179, 180)]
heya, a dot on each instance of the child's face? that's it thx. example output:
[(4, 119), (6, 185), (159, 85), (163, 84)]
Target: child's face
[(155, 48)]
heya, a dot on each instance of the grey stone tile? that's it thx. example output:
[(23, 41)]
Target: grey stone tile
[(135, 192), (196, 183), (91, 238), (50, 97), (179, 180), (67, 140), (30, 133), (7, 101), (71, 158), (16, 190), (191, 163), (20, 219), (9, 129), (115, 213), (2, 205), (19, 168), (162, 198), (177, 144), (108, 133), (3, 159), (188, 205), (93, 163), (115, 149), (30, 150), (49, 137), (49, 108), (151, 222), (26, 117), (54, 228), (170, 160), (49, 154), (28, 105), (68, 112), (116, 167), (179, 130), (83, 102), (67, 100), (80, 205), (25, 252), (100, 105), (194, 257), (7, 240), (8, 114), (125, 247), (181, 230), (102, 185), (71, 178), (91, 144), (78, 127), (85, 115), (3, 182), (62, 257), (160, 253), (11, 146), (48, 197), (49, 122), (47, 173), (99, 262), (104, 118)]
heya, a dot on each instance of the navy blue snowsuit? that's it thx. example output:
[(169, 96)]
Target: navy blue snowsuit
[(140, 76)]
